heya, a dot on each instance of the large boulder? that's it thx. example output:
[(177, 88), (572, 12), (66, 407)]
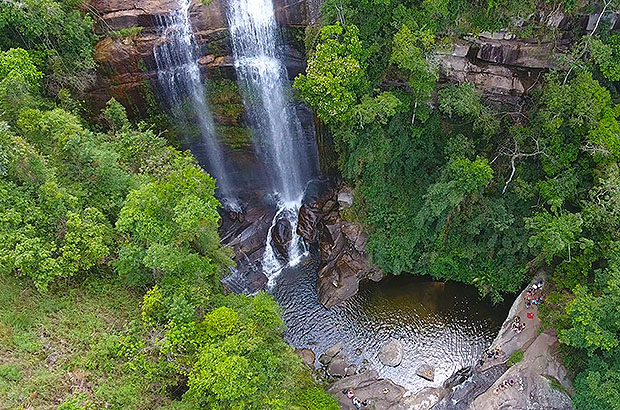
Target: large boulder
[(307, 356), (391, 353), (282, 235), (382, 394), (338, 366), (540, 381), (330, 353), (344, 262), (427, 372)]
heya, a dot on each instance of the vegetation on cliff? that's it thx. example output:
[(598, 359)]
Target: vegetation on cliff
[(453, 186), (110, 260)]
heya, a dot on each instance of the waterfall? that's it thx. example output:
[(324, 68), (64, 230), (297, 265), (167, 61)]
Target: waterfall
[(178, 75), (256, 42)]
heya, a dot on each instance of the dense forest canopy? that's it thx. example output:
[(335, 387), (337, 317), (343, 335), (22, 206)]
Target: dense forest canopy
[(447, 184), (451, 185)]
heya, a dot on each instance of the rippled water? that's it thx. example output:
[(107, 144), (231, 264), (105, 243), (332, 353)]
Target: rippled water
[(444, 325)]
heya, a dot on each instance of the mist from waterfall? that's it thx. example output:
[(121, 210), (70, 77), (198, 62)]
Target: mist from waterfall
[(256, 41), (178, 75)]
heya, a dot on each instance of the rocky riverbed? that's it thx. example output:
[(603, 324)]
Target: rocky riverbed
[(537, 381)]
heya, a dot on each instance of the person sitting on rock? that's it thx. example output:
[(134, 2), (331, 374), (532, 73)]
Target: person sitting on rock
[(348, 392), (357, 403)]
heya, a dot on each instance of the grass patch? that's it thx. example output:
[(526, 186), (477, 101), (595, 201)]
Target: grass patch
[(515, 358), (68, 348), (126, 32), (556, 385)]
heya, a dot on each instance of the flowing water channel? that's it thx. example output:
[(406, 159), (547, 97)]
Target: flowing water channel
[(278, 135), (445, 325)]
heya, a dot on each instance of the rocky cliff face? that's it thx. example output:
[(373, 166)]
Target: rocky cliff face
[(344, 262), (126, 58)]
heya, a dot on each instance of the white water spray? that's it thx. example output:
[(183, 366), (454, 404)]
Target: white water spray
[(178, 74), (256, 41), (296, 250)]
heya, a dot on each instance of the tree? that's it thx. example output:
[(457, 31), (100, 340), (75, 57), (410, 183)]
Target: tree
[(17, 63), (335, 77)]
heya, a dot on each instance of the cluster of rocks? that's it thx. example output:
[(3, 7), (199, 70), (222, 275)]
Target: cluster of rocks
[(381, 394), (344, 262), (335, 364)]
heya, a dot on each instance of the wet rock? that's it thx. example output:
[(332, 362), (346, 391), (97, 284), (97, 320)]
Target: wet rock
[(391, 354), (351, 370), (337, 366), (330, 353), (307, 356), (344, 262), (282, 235), (426, 372), (345, 197), (367, 386), (425, 399), (307, 223)]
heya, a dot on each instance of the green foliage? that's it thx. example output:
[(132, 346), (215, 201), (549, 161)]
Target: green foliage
[(116, 115), (58, 38), (17, 63), (515, 358), (335, 76), (408, 56), (607, 56), (132, 31), (10, 372), (553, 235), (465, 102), (597, 387)]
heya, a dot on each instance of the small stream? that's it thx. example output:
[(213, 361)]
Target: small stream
[(445, 325)]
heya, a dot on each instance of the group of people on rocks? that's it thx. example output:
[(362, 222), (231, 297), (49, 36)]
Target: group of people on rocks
[(356, 401), (517, 325), (504, 385), (531, 295), (495, 353)]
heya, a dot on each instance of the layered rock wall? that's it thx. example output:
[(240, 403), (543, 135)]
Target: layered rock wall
[(126, 64), (344, 262)]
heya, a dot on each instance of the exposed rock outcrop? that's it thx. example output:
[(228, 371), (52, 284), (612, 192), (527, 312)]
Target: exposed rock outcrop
[(344, 262), (540, 381), (391, 353), (382, 394), (125, 62), (533, 378)]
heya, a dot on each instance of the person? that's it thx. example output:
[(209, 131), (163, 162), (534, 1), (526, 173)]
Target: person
[(528, 304), (530, 315), (348, 392), (357, 403)]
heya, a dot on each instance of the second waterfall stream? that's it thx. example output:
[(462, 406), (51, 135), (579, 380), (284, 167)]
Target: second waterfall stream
[(257, 45)]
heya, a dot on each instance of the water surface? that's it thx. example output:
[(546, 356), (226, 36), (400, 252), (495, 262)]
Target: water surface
[(442, 324)]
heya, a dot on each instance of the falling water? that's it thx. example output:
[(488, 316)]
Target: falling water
[(256, 42), (178, 74)]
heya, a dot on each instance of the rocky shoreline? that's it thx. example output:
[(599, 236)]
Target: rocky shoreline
[(538, 380)]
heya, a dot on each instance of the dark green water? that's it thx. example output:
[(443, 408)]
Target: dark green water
[(445, 325)]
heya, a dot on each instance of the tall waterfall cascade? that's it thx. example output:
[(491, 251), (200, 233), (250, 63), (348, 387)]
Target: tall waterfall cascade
[(257, 41), (179, 77)]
